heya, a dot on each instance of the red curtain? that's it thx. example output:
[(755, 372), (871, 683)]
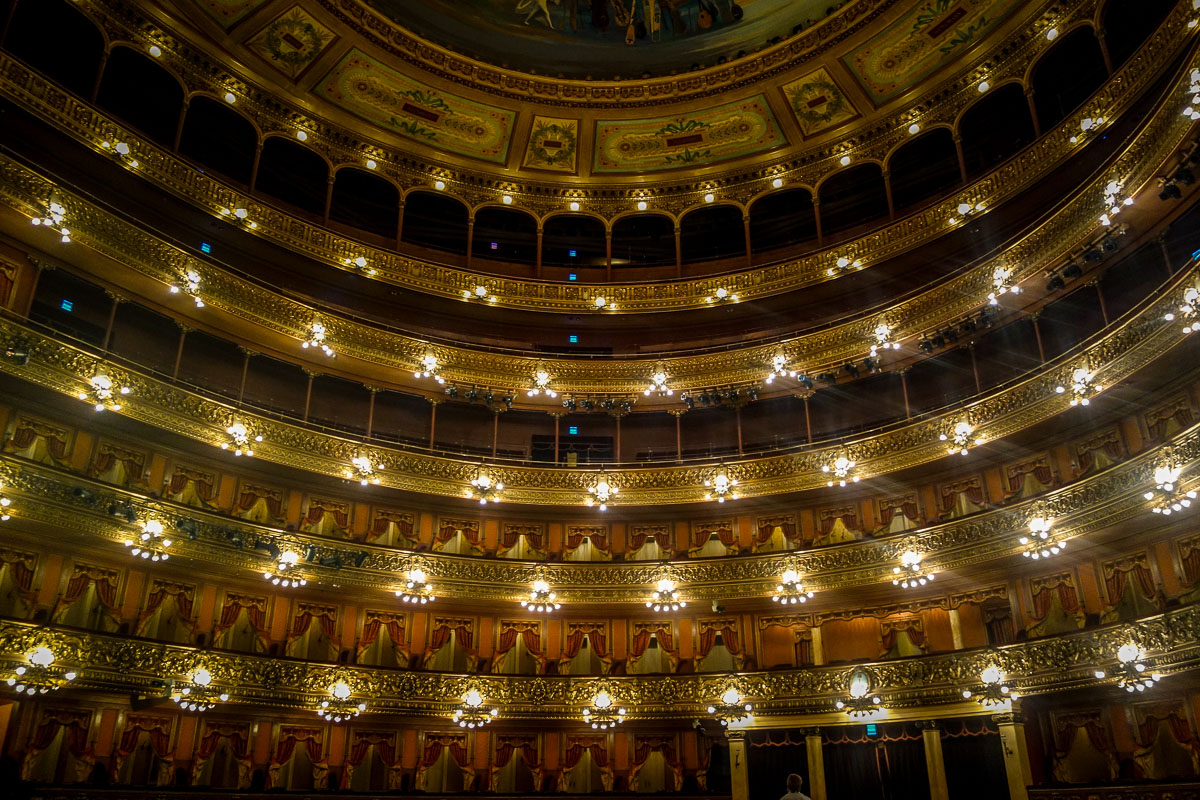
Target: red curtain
[(530, 633), (161, 591), (203, 483), (847, 516), (708, 637), (251, 494), (291, 738), (891, 630), (1189, 555), (1065, 592), (597, 536), (384, 744), (508, 745), (578, 746), (723, 533), (1159, 420), (597, 640), (237, 735), (383, 519), (75, 723), (1098, 734), (638, 539), (441, 634), (510, 535), (1115, 580), (158, 729), (22, 565), (28, 431), (906, 506), (448, 529), (376, 622), (643, 747), (1039, 469), (134, 462), (972, 488), (641, 640), (767, 527), (105, 582), (318, 509), (255, 608), (434, 744)]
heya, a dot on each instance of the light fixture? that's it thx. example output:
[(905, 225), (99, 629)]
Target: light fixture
[(5, 504), (121, 152), (1001, 283), (1167, 495), (574, 205), (371, 163), (722, 295), (155, 51), (484, 489), (40, 675), (439, 185), (302, 136), (473, 713), (779, 369), (720, 487), (843, 264), (198, 693), (1082, 388), (541, 383), (841, 470), (360, 263), (362, 470), (777, 183), (861, 702), (240, 441), (230, 98), (602, 492), (286, 574), (964, 211), (151, 543), (658, 383), (910, 574), (642, 205), (708, 198), (845, 160), (1052, 34), (883, 339), (984, 86), (665, 597), (914, 129), (316, 340), (730, 708), (55, 219), (602, 303), (240, 215), (191, 287), (340, 706), (1131, 673), (1114, 200), (790, 590), (1037, 543), (418, 590), (1188, 310), (603, 714), (960, 438), (429, 368), (541, 598), (993, 692), (103, 392), (479, 292), (506, 199)]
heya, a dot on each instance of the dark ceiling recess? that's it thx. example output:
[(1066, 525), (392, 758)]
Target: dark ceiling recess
[(644, 240), (784, 218), (711, 233), (435, 221), (59, 41), (923, 168), (366, 202), (139, 91), (995, 127), (1128, 24), (1066, 75), (292, 173), (218, 138), (573, 240), (505, 234), (852, 198)]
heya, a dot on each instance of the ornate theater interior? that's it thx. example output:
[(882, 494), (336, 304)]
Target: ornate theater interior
[(600, 397)]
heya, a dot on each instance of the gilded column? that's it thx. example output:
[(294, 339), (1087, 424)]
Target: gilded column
[(935, 764), (739, 773), (818, 648), (956, 629), (1016, 754), (816, 766)]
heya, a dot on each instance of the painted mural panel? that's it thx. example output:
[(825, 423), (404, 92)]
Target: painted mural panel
[(553, 144), (381, 95), (292, 41), (229, 12), (818, 102)]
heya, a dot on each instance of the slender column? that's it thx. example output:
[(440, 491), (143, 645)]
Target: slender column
[(495, 429), (1016, 754), (956, 629), (818, 646), (99, 75), (904, 389), (7, 21), (374, 390), (608, 254), (677, 414), (433, 404), (183, 332), (738, 418), (935, 764), (329, 198), (887, 190), (400, 225), (678, 252), (258, 148), (1162, 246), (112, 318), (817, 218), (746, 227), (557, 416), (962, 157), (617, 454), (470, 238), (807, 417), (1108, 63), (1100, 299), (179, 125), (975, 368), (1037, 124), (1037, 333), (739, 774), (247, 355), (538, 263), (308, 392), (816, 766), (31, 291)]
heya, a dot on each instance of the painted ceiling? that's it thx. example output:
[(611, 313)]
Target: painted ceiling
[(602, 39)]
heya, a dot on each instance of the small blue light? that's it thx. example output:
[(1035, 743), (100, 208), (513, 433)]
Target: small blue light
[(572, 252), (205, 247), (573, 338), (495, 245), (572, 277), (573, 430), (871, 729), (67, 305)]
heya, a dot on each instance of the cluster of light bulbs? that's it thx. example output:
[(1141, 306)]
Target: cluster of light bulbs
[(40, 676), (960, 438), (541, 599), (730, 708), (1082, 388), (665, 597), (601, 493), (1189, 310), (55, 219), (1002, 283), (429, 368), (340, 707), (316, 340), (362, 470), (472, 713), (1114, 200), (285, 575), (191, 287), (200, 696), (1132, 675), (790, 590), (1169, 497), (1037, 544), (541, 384), (240, 440), (910, 574), (604, 714), (840, 471), (658, 384), (151, 543), (417, 590), (484, 489), (721, 487), (103, 392), (240, 215)]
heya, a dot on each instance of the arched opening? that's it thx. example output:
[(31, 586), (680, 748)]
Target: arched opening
[(712, 233), (217, 137), (1126, 25), (57, 40), (142, 93), (505, 234), (852, 198), (573, 240), (643, 240), (1066, 75), (782, 219), (294, 174), (365, 201), (995, 128), (435, 221), (924, 168)]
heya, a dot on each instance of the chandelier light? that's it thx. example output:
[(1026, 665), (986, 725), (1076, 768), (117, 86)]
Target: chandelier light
[(316, 340), (5, 504), (665, 597), (151, 544), (1114, 200), (240, 215), (843, 264), (286, 574), (1168, 496), (122, 152), (484, 489), (340, 706), (790, 589), (861, 702), (841, 470), (1131, 672), (602, 303), (103, 392), (1002, 283), (1189, 311), (361, 264), (240, 440), (910, 574), (190, 287), (1082, 388), (428, 368), (722, 295), (199, 694), (730, 708), (55, 219), (883, 339), (960, 438), (721, 487), (418, 589), (541, 599), (472, 713), (602, 492), (1192, 112), (479, 292), (658, 384), (604, 713), (362, 470), (1038, 544), (40, 675), (966, 210), (779, 369), (541, 384), (993, 692)]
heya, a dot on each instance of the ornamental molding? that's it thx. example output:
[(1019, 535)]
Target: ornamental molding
[(1041, 666), (1108, 499)]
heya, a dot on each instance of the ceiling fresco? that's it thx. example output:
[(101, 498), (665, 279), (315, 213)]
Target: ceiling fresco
[(602, 38)]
